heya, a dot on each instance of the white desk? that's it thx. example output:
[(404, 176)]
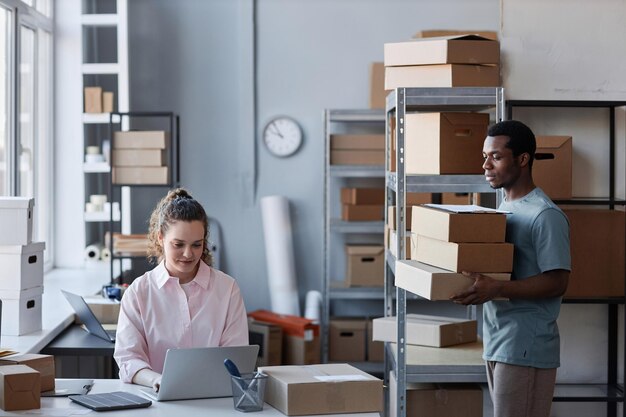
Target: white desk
[(217, 407), (56, 312)]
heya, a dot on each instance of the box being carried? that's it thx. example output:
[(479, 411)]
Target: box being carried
[(322, 389), (427, 330), (434, 283), (16, 220)]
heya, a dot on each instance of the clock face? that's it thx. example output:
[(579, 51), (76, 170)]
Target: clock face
[(282, 136)]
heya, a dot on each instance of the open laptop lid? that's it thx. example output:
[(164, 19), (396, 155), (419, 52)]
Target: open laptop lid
[(85, 315), (200, 372)]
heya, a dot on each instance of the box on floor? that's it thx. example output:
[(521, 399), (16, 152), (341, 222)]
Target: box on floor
[(347, 340), (438, 400), (16, 220), (20, 388), (427, 330), (366, 265), (322, 389), (44, 364), (434, 283), (552, 168)]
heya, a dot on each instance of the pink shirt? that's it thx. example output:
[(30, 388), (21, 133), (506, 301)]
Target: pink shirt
[(155, 316)]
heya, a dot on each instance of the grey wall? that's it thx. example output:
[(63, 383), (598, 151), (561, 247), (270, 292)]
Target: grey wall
[(187, 56)]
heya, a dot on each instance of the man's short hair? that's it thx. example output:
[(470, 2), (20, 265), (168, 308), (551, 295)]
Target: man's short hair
[(521, 138)]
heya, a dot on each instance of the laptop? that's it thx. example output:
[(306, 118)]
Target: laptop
[(84, 313), (200, 372)]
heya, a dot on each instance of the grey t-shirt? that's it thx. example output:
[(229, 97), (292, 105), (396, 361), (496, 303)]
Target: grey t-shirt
[(524, 332)]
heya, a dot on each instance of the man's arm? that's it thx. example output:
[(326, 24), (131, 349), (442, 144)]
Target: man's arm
[(548, 284)]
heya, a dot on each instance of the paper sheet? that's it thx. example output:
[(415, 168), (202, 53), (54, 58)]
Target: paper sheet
[(465, 208)]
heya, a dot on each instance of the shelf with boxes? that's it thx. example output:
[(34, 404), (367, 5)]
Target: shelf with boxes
[(21, 262), (147, 157), (598, 265)]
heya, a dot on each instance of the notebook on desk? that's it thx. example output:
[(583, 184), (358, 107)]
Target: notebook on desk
[(200, 372), (84, 313)]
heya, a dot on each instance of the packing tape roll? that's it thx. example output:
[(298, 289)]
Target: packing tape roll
[(92, 150), (93, 251), (313, 306), (281, 267), (98, 198)]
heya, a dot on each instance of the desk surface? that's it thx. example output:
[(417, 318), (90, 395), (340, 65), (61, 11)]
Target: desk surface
[(75, 341), (217, 407), (57, 314)]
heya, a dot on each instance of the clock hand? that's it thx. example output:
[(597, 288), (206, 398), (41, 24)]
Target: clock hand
[(276, 129)]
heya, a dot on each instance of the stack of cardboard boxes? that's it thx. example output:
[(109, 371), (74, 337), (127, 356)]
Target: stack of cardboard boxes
[(22, 380), (365, 149), (362, 204), (444, 243), (139, 157)]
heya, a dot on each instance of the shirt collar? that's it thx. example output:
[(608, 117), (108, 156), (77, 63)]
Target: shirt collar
[(203, 277)]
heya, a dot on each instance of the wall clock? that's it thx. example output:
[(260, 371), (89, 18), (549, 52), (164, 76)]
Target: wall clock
[(282, 136)]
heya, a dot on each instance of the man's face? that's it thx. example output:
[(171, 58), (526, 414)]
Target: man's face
[(502, 169)]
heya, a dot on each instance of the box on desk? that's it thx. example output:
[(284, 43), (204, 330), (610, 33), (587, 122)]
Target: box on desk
[(141, 139), (20, 388), (16, 220), (434, 283), (450, 225), (427, 330), (445, 143), (44, 364), (21, 311), (366, 265), (322, 389), (438, 400), (458, 257), (347, 340), (269, 337), (21, 266), (552, 168)]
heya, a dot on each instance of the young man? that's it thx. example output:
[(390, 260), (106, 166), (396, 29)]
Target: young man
[(521, 337)]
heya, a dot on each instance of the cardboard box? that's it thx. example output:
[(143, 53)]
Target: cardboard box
[(140, 139), (21, 311), (552, 168), (441, 224), (106, 310), (107, 102), (269, 337), (413, 237), (357, 142), (597, 247), (392, 216), (20, 388), (363, 196), (139, 157), (16, 220), (434, 283), (366, 266), (434, 33), (448, 75), (363, 212), (44, 364), (322, 389), (300, 351), (21, 266), (140, 175), (347, 340), (427, 330), (459, 49), (458, 257), (461, 198), (93, 99), (357, 157), (413, 199), (393, 246), (445, 143), (378, 94), (375, 349), (437, 400)]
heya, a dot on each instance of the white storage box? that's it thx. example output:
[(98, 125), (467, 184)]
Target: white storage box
[(21, 311), (16, 220), (21, 267)]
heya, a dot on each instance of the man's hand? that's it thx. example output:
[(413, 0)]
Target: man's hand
[(484, 289)]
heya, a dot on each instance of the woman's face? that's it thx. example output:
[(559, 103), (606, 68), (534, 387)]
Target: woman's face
[(183, 244)]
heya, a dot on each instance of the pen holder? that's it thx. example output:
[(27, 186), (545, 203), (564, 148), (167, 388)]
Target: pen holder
[(248, 391)]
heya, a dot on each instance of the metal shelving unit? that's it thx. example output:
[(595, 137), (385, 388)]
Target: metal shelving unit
[(347, 121), (613, 392), (399, 102)]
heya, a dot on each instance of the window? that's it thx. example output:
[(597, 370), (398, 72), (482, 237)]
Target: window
[(26, 109)]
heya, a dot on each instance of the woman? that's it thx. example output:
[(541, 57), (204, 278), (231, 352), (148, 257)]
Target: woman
[(183, 302)]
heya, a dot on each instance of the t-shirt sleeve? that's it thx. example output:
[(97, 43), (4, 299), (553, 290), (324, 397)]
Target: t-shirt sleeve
[(551, 240)]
